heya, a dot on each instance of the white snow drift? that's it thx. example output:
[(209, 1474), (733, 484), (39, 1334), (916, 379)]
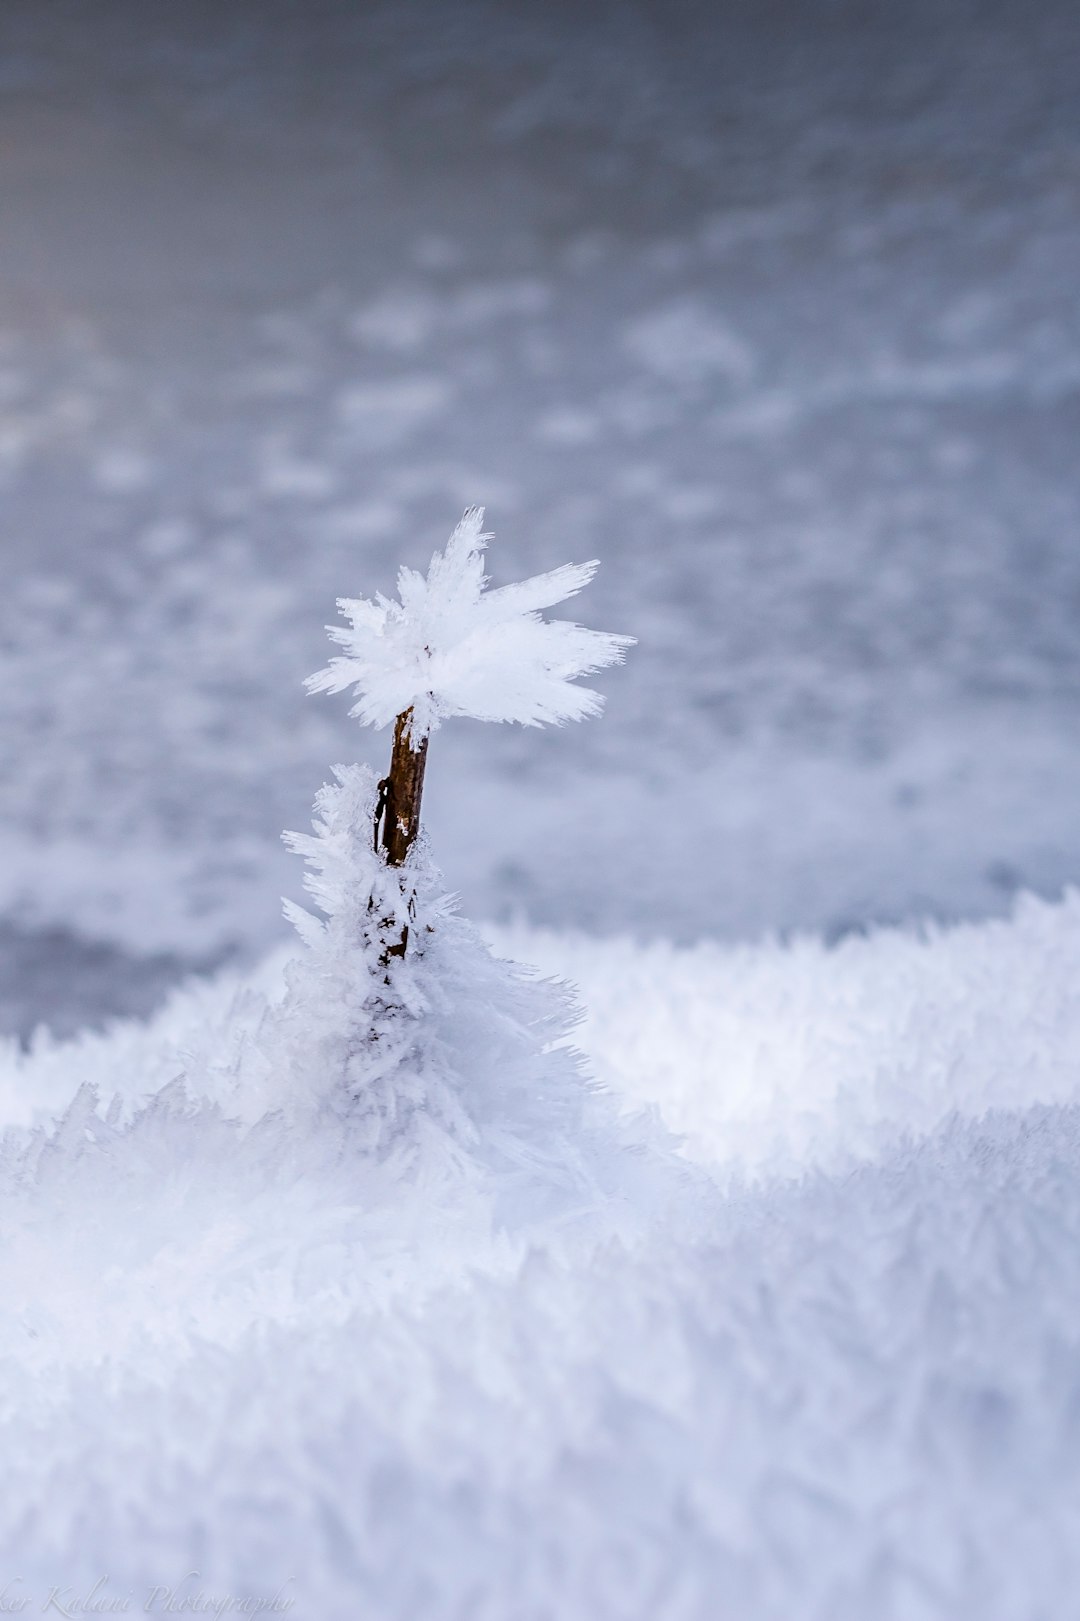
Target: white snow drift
[(820, 1364)]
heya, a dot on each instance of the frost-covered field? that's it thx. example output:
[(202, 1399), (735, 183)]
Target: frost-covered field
[(829, 1370), (772, 309)]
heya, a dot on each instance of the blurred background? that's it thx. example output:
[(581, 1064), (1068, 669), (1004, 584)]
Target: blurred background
[(770, 305)]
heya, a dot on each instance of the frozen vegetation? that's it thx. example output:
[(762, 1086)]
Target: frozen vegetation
[(722, 1281)]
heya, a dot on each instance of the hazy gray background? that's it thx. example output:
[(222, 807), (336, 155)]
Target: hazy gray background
[(772, 307)]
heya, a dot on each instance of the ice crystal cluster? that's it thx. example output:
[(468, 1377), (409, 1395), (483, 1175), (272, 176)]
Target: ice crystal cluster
[(449, 1063), (450, 646)]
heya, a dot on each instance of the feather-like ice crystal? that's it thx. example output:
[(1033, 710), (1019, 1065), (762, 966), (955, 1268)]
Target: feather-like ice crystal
[(452, 647)]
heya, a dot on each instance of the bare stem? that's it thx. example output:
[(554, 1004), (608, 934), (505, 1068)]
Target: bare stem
[(397, 817)]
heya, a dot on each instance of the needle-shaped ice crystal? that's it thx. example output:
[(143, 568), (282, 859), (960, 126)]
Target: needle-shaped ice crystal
[(452, 647)]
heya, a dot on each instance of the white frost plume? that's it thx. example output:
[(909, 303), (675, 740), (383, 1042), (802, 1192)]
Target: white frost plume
[(451, 647)]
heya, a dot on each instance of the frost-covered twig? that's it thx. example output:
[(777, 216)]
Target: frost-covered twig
[(450, 646)]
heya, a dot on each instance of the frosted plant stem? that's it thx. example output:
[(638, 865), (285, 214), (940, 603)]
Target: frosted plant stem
[(397, 816), (450, 646)]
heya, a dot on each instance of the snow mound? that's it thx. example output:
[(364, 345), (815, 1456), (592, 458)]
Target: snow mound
[(772, 1058), (818, 1363)]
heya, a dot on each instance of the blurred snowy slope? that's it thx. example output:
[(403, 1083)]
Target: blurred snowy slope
[(772, 309)]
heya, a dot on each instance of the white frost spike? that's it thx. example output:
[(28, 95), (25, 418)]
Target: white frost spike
[(451, 647)]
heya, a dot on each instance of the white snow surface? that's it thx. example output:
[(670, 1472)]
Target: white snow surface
[(820, 1361), (772, 309), (451, 647)]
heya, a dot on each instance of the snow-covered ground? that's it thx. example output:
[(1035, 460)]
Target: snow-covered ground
[(772, 309), (830, 1372)]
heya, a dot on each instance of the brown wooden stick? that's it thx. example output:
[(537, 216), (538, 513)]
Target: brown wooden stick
[(401, 792), (397, 818)]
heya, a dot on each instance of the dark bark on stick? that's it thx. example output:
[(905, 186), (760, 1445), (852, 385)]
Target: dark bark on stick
[(397, 818), (401, 793)]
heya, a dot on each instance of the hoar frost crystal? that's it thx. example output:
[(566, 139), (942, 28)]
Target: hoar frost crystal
[(441, 1056), (452, 647)]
